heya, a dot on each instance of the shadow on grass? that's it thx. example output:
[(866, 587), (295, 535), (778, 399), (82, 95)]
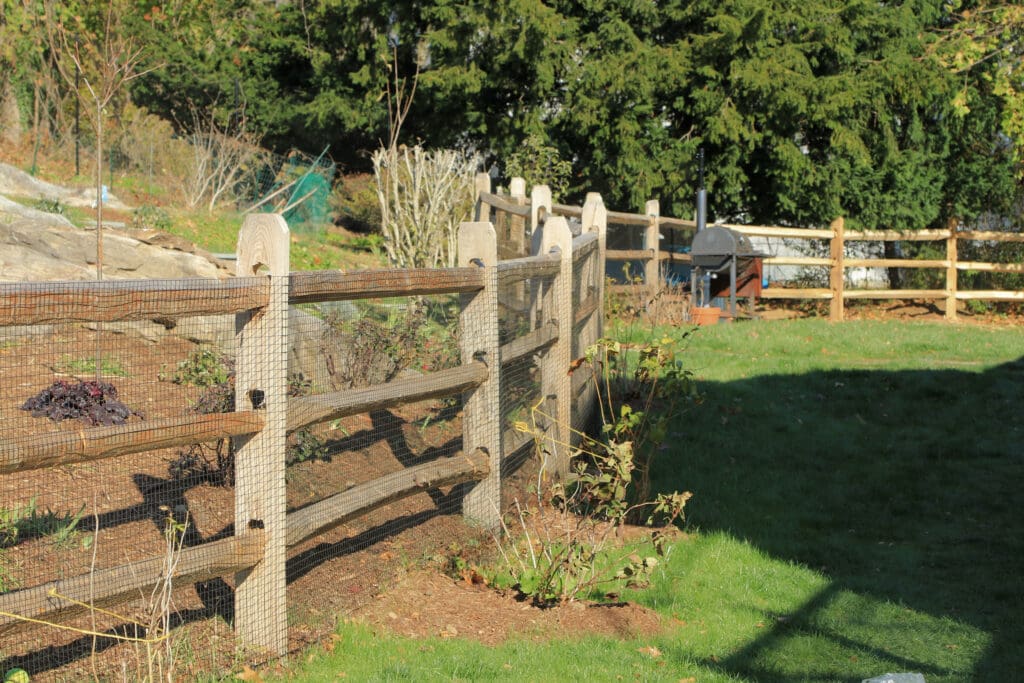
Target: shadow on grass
[(899, 485)]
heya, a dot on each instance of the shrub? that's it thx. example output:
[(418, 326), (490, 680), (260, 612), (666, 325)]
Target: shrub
[(94, 403), (215, 462), (355, 205), (149, 217), (50, 205), (202, 368), (539, 164), (377, 346), (560, 545), (423, 196)]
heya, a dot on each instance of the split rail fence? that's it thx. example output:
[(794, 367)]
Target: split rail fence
[(517, 212), (553, 293), (837, 293)]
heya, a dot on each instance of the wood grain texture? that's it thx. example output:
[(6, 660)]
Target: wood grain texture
[(96, 443)]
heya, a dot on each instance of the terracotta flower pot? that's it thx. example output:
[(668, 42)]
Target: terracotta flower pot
[(705, 315)]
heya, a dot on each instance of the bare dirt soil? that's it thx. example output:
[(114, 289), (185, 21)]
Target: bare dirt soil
[(114, 511), (426, 604), (1001, 315)]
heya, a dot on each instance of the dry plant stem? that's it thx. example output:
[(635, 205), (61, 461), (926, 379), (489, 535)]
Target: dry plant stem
[(526, 532), (423, 196), (92, 588), (399, 102), (218, 159), (501, 546)]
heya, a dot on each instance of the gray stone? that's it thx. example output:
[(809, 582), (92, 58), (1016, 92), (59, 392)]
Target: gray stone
[(896, 678), (39, 246), (15, 182)]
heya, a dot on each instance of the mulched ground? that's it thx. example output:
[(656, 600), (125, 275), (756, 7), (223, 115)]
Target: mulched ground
[(122, 505)]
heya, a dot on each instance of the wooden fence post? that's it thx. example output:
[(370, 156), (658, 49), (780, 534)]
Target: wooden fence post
[(481, 421), (261, 383), (555, 379), (652, 266), (594, 218), (540, 210), (837, 272), (951, 270), (481, 183), (517, 229)]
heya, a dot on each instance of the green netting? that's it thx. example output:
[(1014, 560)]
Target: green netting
[(298, 186)]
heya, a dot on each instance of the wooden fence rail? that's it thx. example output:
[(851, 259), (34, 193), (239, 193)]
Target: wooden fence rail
[(259, 297), (837, 263), (650, 256)]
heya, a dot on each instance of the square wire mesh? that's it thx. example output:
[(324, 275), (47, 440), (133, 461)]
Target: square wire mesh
[(97, 474)]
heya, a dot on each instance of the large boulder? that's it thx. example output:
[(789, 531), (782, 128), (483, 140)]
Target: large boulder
[(40, 246), (44, 246), (16, 183)]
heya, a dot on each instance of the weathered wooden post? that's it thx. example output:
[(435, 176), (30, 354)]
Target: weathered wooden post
[(837, 271), (652, 266), (594, 218), (261, 383), (951, 270), (481, 184), (481, 420), (556, 381), (540, 210), (517, 226)]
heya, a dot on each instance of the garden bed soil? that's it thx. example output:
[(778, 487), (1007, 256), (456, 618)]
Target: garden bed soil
[(427, 604), (128, 499)]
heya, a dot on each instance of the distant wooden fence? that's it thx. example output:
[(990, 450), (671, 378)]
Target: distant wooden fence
[(837, 262), (530, 211), (565, 276), (517, 214)]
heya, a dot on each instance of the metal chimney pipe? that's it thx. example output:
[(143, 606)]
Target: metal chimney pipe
[(702, 195)]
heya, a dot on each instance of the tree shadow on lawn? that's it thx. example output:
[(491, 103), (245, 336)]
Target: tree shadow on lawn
[(902, 485)]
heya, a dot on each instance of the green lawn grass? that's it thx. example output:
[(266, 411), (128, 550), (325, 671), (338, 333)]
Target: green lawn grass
[(855, 513)]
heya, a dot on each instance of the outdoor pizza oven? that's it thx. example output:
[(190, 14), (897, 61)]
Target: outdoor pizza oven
[(717, 251)]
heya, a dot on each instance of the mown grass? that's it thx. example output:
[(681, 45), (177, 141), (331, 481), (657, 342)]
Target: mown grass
[(884, 455), (855, 514)]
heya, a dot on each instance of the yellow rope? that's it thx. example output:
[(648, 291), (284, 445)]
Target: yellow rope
[(87, 632)]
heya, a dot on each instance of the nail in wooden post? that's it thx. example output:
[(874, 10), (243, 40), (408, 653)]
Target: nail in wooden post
[(951, 270), (481, 421), (555, 379), (652, 266), (261, 383), (837, 248)]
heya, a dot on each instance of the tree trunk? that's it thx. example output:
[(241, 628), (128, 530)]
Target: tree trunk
[(893, 251)]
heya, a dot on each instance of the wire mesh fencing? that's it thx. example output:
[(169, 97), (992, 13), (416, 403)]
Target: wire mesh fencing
[(111, 473), (371, 350), (193, 468)]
